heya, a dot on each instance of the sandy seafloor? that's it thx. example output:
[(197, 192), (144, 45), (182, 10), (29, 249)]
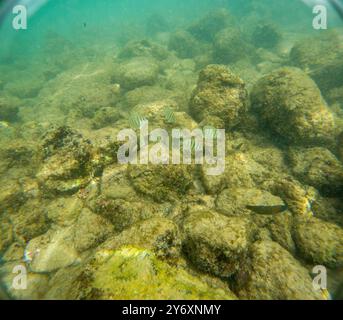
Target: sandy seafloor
[(86, 227)]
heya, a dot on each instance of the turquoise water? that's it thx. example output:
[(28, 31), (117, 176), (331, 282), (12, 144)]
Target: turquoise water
[(82, 225)]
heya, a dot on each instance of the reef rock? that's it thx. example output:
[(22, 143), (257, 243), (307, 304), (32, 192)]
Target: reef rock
[(51, 251), (319, 168), (161, 182), (219, 93), (206, 28), (157, 234), (321, 57), (136, 72), (184, 44), (229, 46), (290, 103), (9, 109), (133, 273), (319, 242), (216, 244), (67, 163), (273, 274)]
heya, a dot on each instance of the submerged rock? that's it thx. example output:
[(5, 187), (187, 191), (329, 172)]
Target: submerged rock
[(9, 109), (321, 57), (319, 242), (206, 28), (266, 36), (162, 183), (319, 168), (217, 244), (67, 163), (134, 273), (273, 274), (184, 44), (157, 234), (136, 72), (219, 93), (52, 251), (229, 46), (143, 48), (290, 103)]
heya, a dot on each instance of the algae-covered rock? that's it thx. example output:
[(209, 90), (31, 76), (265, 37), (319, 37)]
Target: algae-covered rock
[(30, 221), (266, 35), (235, 201), (9, 109), (143, 48), (241, 171), (219, 93), (281, 229), (319, 168), (67, 163), (63, 211), (106, 117), (290, 103), (137, 274), (229, 46), (207, 27), (145, 95), (137, 72), (6, 234), (217, 244), (157, 234), (273, 274), (115, 183), (184, 44), (123, 213), (162, 183), (321, 57), (52, 251), (319, 242), (12, 195), (90, 230)]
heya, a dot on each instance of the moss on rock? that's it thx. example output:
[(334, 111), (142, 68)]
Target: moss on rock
[(290, 103), (219, 93), (216, 244), (319, 242), (273, 274)]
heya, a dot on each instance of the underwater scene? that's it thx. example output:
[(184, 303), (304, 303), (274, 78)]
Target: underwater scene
[(171, 150)]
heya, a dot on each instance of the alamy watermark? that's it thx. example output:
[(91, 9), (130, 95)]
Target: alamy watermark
[(207, 146), (19, 22)]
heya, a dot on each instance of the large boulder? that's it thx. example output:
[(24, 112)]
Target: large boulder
[(290, 103), (216, 244), (319, 242), (134, 273), (321, 57), (67, 162), (319, 168), (136, 72), (220, 93), (206, 28), (161, 182), (273, 274)]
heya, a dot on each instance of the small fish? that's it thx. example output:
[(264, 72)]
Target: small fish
[(268, 209), (169, 115), (136, 120), (210, 132)]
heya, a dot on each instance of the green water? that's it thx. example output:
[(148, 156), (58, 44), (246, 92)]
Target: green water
[(76, 223)]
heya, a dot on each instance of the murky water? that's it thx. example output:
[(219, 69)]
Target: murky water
[(97, 197)]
